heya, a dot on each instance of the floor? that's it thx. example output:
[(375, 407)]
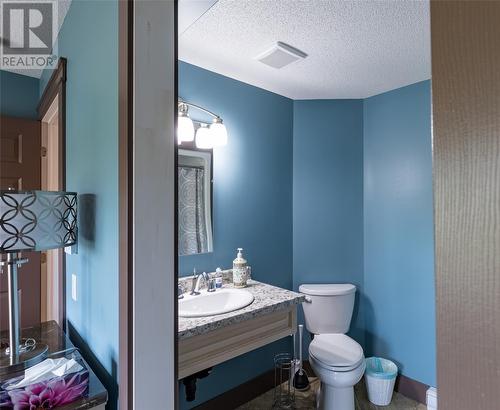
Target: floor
[(306, 400)]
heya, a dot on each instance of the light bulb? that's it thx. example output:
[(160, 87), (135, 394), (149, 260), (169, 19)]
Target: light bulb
[(204, 138), (219, 133), (185, 128)]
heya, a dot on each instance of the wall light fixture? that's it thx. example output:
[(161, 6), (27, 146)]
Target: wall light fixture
[(208, 135)]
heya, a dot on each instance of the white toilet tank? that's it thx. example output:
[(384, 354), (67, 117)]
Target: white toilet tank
[(328, 307)]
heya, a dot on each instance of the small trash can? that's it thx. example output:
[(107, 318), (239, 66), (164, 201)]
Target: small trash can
[(380, 376)]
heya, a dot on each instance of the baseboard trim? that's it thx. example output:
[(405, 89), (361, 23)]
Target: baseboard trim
[(412, 389)]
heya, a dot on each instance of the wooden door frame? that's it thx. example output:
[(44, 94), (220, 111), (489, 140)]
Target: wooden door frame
[(132, 356), (56, 88)]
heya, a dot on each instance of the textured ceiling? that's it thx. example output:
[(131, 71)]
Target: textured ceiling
[(191, 10), (62, 10), (355, 49)]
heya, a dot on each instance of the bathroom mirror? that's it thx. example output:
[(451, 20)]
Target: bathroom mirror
[(195, 201)]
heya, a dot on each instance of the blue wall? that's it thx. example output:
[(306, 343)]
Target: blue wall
[(252, 205), (362, 213), (18, 95), (328, 197), (252, 199), (398, 221), (362, 210), (89, 40)]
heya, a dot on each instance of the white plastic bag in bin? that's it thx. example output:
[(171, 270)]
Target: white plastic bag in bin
[(380, 376)]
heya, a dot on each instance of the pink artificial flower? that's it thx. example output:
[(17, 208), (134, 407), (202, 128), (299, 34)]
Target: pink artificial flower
[(50, 394)]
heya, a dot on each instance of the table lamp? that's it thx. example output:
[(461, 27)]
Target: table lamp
[(30, 221)]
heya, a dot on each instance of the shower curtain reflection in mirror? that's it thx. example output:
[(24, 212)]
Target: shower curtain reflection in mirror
[(195, 202)]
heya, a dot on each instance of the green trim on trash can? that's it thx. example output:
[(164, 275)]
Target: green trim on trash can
[(377, 367)]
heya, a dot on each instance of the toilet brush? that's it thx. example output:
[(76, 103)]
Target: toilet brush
[(300, 380)]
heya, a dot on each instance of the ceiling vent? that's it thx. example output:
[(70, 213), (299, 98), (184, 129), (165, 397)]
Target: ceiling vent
[(280, 55)]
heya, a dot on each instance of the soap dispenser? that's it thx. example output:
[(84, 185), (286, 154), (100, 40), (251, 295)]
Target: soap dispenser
[(240, 270)]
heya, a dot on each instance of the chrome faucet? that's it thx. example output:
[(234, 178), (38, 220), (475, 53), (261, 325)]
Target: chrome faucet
[(195, 285)]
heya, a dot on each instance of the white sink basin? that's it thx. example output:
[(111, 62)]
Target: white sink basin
[(214, 303)]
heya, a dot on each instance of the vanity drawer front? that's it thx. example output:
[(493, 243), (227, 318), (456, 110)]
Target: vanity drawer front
[(207, 350)]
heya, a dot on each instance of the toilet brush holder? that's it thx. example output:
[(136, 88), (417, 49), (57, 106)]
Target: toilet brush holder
[(300, 379)]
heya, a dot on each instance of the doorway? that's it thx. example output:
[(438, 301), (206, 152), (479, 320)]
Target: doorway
[(32, 158)]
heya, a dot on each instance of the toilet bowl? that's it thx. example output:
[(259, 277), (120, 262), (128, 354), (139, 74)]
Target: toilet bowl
[(336, 359), (339, 363)]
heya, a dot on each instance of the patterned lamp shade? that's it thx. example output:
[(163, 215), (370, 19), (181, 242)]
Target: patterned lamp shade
[(37, 220)]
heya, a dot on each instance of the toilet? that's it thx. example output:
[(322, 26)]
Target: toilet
[(336, 359)]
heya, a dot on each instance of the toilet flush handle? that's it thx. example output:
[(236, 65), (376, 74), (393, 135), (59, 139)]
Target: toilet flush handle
[(308, 299)]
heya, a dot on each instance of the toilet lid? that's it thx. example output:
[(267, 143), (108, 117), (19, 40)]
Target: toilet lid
[(327, 289), (336, 351)]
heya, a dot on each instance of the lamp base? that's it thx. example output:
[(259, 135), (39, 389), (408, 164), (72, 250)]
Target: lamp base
[(26, 358)]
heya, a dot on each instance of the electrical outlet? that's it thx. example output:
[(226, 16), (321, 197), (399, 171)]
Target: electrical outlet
[(74, 292)]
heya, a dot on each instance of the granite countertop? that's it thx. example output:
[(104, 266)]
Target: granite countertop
[(268, 299)]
